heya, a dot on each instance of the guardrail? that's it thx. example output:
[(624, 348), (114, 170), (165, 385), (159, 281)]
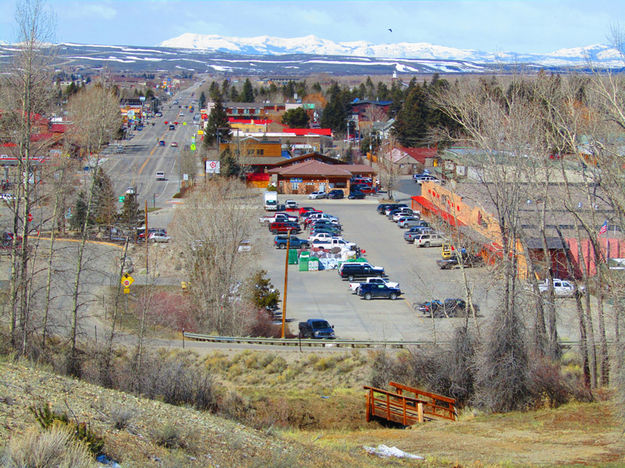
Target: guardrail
[(321, 343), (303, 342)]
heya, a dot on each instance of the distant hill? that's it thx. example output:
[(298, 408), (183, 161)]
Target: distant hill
[(270, 56)]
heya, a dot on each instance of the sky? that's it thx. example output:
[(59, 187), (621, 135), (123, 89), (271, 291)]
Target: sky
[(522, 26)]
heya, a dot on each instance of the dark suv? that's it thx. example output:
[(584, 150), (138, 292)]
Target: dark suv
[(349, 271), (336, 194), (372, 290)]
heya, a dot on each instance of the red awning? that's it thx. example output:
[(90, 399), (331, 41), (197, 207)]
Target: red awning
[(428, 205)]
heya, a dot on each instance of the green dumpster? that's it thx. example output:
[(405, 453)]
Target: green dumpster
[(303, 261), (292, 256)]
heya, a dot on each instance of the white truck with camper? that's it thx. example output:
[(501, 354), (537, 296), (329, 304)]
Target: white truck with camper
[(270, 200)]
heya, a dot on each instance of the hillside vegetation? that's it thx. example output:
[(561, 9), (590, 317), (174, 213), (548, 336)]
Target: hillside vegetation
[(313, 417)]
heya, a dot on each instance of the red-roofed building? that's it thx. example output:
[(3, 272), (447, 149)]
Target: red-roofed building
[(315, 172), (413, 160)]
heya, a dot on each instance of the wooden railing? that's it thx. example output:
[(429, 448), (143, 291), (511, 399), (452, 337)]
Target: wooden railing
[(408, 406)]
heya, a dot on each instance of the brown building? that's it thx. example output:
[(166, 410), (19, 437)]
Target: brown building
[(315, 172)]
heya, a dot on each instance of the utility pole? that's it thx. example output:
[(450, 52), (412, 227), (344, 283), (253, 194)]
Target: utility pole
[(147, 268), (286, 281)]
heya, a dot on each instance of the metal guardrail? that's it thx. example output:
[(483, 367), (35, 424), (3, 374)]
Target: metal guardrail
[(303, 342), (323, 343)]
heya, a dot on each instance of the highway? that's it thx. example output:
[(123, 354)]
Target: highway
[(143, 157)]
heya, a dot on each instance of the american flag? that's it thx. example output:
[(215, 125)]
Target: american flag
[(604, 227)]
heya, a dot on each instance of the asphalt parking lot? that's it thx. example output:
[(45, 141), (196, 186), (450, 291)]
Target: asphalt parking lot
[(323, 294)]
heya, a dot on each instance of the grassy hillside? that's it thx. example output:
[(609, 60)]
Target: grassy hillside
[(310, 412)]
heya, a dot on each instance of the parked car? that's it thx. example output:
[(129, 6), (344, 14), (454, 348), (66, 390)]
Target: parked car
[(325, 222), (426, 178), (397, 213), (336, 194), (394, 206), (350, 271), (403, 212), (295, 242), (416, 223), (283, 227), (308, 210), (429, 239), (357, 195), (315, 216), (401, 222), (174, 144), (322, 235), (381, 208), (317, 195), (333, 242), (451, 307), (354, 286), (465, 260), (371, 290), (158, 237), (561, 288), (290, 204), (316, 328)]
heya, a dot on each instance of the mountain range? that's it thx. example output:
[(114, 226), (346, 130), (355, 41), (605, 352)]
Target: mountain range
[(599, 55)]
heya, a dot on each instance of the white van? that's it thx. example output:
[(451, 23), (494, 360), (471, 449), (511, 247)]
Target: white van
[(430, 239)]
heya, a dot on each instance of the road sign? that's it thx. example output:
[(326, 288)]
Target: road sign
[(29, 217), (212, 167), (142, 98), (126, 290), (127, 280), (193, 146), (200, 132), (185, 176), (121, 199), (184, 123)]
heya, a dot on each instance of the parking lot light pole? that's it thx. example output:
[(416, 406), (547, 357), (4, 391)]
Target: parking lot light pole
[(286, 280)]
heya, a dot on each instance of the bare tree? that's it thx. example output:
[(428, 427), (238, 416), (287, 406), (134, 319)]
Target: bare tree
[(24, 97), (388, 169), (96, 119), (209, 228)]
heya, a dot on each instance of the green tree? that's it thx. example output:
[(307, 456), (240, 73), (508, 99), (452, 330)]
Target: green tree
[(261, 291), (296, 118), (79, 213), (335, 113), (104, 200), (247, 94), (234, 95), (229, 165), (202, 101), (411, 123), (217, 124), (131, 216), (213, 91)]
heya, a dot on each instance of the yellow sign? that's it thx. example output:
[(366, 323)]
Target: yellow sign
[(200, 132), (126, 290), (127, 280), (193, 147), (184, 123)]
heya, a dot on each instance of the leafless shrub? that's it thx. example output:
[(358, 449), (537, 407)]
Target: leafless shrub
[(170, 436), (52, 448), (121, 417), (503, 381)]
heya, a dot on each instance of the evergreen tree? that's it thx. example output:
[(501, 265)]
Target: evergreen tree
[(213, 91), (104, 201), (202, 101), (335, 113), (316, 87), (234, 94), (383, 93), (247, 95), (296, 118), (80, 211), (229, 166), (218, 119), (262, 292), (411, 123), (131, 216), (370, 88)]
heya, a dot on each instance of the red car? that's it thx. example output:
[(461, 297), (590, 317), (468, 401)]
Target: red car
[(280, 227), (308, 209)]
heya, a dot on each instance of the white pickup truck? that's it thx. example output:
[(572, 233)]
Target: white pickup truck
[(354, 286), (277, 217), (332, 242), (561, 288), (322, 236)]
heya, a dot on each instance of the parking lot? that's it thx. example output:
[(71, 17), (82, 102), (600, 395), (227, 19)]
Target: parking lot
[(322, 294)]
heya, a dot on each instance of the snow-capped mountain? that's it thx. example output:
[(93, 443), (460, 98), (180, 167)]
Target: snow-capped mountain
[(598, 54)]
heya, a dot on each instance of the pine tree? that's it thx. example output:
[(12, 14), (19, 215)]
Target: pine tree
[(247, 95), (131, 216), (202, 101), (296, 118), (229, 166), (79, 213), (411, 123), (217, 122), (104, 199)]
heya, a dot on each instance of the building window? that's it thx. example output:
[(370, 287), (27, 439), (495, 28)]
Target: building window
[(250, 152), (260, 152)]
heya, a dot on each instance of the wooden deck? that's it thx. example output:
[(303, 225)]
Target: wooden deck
[(408, 406)]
